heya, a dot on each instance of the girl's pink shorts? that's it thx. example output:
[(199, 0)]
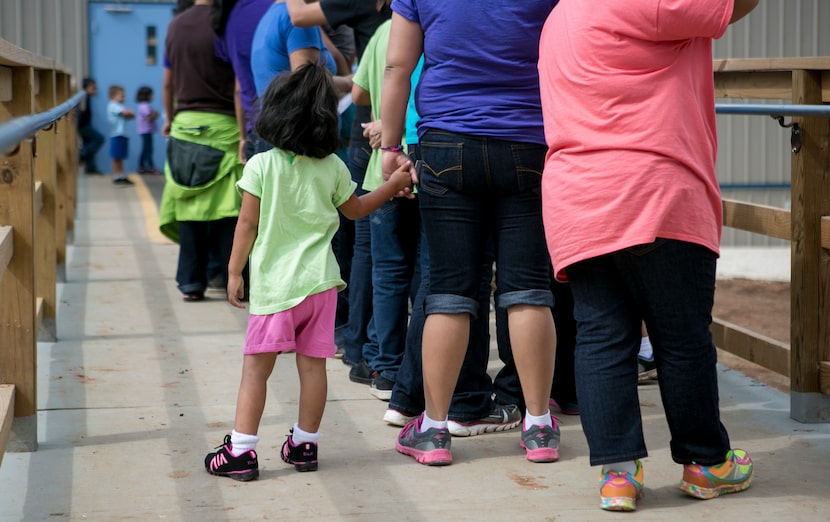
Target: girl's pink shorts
[(308, 328)]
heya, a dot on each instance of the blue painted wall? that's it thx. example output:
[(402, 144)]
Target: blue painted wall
[(118, 55)]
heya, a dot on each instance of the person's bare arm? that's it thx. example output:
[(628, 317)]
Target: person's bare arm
[(406, 43), (243, 240), (303, 56), (360, 96), (167, 100), (741, 9), (305, 15), (399, 182), (239, 111), (343, 68)]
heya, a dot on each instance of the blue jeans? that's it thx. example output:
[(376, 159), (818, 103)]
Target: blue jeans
[(670, 285), (91, 140), (395, 230), (145, 161), (472, 397), (473, 189), (358, 328)]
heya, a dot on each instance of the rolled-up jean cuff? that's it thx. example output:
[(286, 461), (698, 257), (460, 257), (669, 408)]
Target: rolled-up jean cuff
[(450, 304), (525, 297)]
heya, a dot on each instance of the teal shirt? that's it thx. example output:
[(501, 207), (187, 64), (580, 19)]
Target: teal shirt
[(292, 258)]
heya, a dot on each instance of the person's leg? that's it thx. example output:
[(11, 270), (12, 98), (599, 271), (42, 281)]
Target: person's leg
[(250, 403), (360, 279), (563, 389), (146, 153), (395, 229), (193, 253), (92, 142), (675, 284), (313, 390), (608, 329)]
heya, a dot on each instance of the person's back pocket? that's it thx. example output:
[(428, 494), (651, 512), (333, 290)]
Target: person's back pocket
[(192, 164)]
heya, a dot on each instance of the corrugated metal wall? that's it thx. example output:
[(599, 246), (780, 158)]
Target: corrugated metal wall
[(754, 150), (53, 28)]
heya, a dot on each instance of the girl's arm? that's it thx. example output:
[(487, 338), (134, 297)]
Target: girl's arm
[(243, 240), (399, 183)]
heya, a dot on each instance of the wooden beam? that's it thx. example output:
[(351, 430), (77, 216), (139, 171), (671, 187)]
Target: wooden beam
[(825, 231), (765, 85), (5, 84), (824, 371), (810, 286), (761, 219), (13, 55), (763, 351), (820, 63), (6, 416), (46, 176), (6, 248), (38, 197)]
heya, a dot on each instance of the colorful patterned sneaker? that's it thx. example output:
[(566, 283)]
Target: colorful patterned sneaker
[(303, 455), (397, 418), (432, 447), (619, 490), (731, 476), (501, 418), (245, 467), (541, 442)]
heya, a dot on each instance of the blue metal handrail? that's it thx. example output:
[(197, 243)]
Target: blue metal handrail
[(14, 131), (772, 110)]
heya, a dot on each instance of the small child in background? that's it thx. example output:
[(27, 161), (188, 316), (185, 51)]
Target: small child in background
[(117, 116), (146, 127), (291, 195)]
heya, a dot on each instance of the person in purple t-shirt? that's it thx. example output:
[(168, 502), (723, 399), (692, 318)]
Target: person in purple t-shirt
[(482, 154), (146, 126)]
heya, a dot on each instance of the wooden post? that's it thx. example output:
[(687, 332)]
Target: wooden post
[(66, 139), (810, 280), (18, 343), (46, 276)]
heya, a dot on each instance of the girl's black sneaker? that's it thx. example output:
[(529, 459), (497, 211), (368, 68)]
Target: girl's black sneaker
[(303, 455), (244, 467)]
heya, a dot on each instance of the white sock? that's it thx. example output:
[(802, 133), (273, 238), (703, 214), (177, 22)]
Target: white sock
[(241, 442), (621, 467), (646, 351), (427, 423), (539, 420), (299, 436)]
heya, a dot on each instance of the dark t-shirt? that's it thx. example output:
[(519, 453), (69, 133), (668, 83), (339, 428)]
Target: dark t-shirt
[(364, 18), (201, 80)]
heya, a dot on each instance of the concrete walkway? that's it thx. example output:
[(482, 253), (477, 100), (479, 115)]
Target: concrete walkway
[(141, 385)]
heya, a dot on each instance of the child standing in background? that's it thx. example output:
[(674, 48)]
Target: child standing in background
[(291, 195), (117, 116), (146, 127)]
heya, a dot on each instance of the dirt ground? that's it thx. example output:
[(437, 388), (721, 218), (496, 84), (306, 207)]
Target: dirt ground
[(760, 306)]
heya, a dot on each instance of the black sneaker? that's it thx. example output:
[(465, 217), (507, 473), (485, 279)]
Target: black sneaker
[(303, 456), (501, 418), (381, 387), (222, 463), (362, 373), (122, 181)]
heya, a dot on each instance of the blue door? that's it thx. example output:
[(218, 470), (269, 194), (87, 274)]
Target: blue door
[(126, 48)]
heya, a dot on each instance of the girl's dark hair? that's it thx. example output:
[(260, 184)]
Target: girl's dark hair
[(299, 112), (220, 11), (144, 94)]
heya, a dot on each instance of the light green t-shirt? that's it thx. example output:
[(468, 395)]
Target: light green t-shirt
[(369, 76), (292, 257)]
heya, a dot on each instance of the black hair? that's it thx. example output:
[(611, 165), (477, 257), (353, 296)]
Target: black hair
[(144, 94), (299, 112), (220, 11), (86, 82)]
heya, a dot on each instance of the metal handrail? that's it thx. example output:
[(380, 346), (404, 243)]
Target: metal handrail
[(772, 110), (14, 131)]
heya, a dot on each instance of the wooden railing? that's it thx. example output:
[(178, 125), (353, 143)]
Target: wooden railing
[(37, 205), (806, 361)]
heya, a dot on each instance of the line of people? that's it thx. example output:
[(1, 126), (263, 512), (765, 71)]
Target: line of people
[(527, 150)]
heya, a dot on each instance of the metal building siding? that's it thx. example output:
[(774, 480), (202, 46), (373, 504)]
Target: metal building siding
[(53, 28), (755, 150)]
